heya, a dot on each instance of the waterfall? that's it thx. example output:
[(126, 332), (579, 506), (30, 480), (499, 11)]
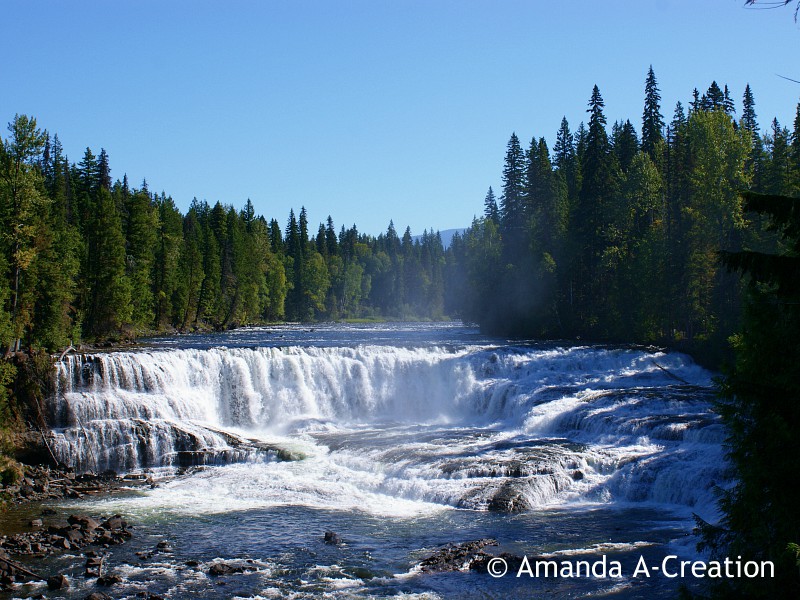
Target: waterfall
[(503, 428)]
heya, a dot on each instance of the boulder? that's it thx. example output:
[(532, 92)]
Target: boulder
[(332, 538), (222, 568), (57, 582)]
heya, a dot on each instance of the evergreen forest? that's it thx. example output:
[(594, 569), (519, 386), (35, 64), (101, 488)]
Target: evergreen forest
[(676, 230)]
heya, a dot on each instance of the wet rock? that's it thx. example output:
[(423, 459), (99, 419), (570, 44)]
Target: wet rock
[(456, 557), (578, 475), (36, 523), (509, 500), (164, 546), (47, 512), (191, 563), (94, 566), (222, 568), (75, 536), (98, 596), (109, 580), (115, 522), (85, 523), (57, 582), (332, 538)]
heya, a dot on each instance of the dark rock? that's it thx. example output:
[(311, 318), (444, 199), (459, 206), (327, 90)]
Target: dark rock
[(456, 557), (94, 566), (75, 536), (36, 523), (115, 522), (57, 582), (84, 522), (332, 538), (48, 512), (578, 475), (508, 499), (109, 580), (98, 596), (191, 563), (218, 569), (164, 546)]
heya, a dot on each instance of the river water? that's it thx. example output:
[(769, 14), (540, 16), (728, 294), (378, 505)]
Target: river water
[(400, 438)]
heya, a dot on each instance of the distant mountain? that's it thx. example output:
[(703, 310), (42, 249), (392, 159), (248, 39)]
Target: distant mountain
[(447, 236)]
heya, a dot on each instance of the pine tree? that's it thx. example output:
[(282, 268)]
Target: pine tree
[(511, 202), (331, 242), (598, 187), (490, 210), (103, 170), (652, 119)]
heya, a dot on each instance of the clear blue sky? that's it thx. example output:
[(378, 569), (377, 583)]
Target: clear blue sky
[(366, 110)]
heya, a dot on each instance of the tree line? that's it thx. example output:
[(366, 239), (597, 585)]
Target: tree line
[(615, 235), (85, 257)]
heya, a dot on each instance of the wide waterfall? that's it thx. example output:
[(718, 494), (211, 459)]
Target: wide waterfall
[(481, 426)]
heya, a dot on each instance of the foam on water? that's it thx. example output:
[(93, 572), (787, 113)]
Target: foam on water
[(397, 430)]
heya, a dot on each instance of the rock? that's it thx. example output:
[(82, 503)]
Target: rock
[(115, 522), (47, 512), (332, 538), (508, 499), (222, 568), (98, 596), (191, 563), (57, 582), (36, 523), (577, 475), (456, 557), (75, 536), (94, 566), (85, 523), (109, 580), (164, 546)]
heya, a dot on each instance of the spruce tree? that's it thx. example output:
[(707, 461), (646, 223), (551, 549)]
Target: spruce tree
[(652, 119), (490, 210), (511, 201)]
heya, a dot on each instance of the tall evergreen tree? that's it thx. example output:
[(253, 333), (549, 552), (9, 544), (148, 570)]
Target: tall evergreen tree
[(490, 209), (652, 119), (511, 201)]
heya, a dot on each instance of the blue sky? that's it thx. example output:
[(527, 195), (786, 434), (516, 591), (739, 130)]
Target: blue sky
[(366, 110)]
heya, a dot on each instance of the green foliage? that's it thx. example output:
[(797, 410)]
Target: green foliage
[(759, 405)]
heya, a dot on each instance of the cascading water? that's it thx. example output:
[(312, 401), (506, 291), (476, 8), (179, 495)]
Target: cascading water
[(475, 426)]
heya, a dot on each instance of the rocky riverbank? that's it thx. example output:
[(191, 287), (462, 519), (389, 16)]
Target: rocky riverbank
[(25, 548)]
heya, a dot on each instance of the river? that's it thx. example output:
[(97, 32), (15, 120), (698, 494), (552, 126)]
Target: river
[(400, 438)]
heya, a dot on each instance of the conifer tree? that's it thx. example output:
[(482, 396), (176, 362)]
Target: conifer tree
[(511, 202), (490, 209), (652, 119)]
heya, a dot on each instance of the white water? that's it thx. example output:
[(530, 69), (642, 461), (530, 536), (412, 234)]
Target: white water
[(395, 430)]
